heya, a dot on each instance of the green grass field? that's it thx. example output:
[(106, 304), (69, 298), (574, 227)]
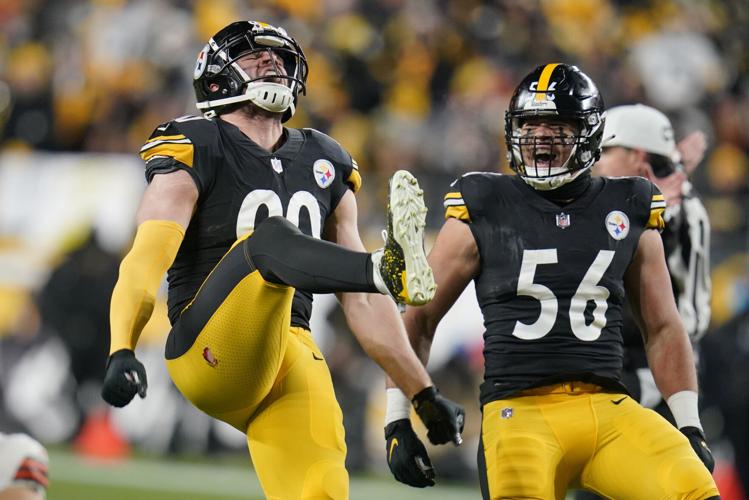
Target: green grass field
[(74, 478)]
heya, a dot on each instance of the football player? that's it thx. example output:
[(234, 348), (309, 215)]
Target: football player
[(639, 140), (24, 467), (236, 210), (551, 251)]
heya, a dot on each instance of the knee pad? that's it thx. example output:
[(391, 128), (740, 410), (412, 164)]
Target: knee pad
[(688, 478), (273, 237), (327, 480)]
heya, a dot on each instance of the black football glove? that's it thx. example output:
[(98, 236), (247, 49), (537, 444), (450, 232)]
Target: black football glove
[(442, 418), (407, 457), (697, 440), (125, 378)]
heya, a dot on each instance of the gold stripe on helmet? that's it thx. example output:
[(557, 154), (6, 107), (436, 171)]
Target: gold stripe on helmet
[(543, 81)]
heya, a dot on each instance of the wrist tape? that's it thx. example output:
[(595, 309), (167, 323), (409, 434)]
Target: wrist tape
[(398, 406), (683, 406)]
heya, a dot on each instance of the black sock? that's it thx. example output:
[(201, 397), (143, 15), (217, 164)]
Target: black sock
[(284, 255)]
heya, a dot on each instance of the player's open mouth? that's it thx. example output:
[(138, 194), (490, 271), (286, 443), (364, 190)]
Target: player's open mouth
[(270, 75), (543, 160), (269, 72)]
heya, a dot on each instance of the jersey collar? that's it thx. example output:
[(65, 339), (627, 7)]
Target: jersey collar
[(540, 202), (294, 139)]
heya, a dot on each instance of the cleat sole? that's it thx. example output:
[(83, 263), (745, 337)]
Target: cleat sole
[(409, 219)]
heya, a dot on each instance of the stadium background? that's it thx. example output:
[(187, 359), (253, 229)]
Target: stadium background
[(419, 84)]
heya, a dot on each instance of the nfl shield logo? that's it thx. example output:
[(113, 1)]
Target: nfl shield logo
[(506, 413), (276, 164), (563, 220)]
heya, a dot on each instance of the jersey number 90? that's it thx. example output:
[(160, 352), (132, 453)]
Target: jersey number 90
[(265, 197)]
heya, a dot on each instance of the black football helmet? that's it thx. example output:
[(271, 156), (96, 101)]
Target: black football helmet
[(217, 67), (564, 93)]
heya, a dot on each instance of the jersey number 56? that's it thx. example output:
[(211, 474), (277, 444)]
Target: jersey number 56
[(589, 289)]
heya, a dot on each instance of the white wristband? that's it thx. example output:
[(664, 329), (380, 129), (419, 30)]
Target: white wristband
[(398, 406), (683, 406)]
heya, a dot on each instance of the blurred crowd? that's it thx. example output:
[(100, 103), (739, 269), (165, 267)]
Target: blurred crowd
[(421, 84), (417, 84)]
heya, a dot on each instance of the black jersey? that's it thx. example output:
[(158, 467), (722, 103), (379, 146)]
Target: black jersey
[(240, 184), (550, 285)]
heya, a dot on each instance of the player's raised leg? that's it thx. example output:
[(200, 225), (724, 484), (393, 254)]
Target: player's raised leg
[(284, 255), (236, 327), (225, 350)]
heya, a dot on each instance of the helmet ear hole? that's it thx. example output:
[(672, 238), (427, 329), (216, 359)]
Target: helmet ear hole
[(218, 86), (211, 86)]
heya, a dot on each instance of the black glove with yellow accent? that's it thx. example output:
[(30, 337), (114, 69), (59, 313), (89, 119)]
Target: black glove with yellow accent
[(443, 418), (125, 377), (697, 440), (407, 457)]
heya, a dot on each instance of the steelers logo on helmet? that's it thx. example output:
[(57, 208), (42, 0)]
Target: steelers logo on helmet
[(554, 126), (221, 83), (201, 63)]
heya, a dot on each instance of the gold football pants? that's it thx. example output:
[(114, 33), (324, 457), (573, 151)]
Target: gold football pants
[(540, 443), (233, 354)]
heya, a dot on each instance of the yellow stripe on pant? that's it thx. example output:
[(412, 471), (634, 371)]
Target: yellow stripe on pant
[(540, 443)]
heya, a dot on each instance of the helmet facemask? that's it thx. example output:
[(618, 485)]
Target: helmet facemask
[(222, 82), (549, 151)]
